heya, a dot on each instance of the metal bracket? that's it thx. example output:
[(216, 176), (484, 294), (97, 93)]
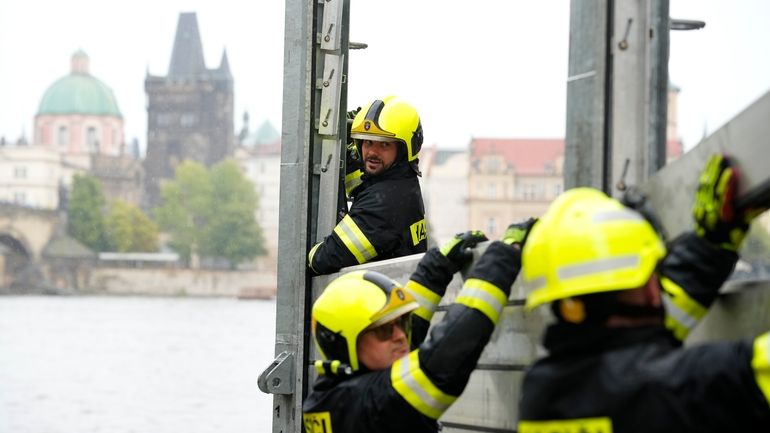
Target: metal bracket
[(331, 27), (330, 94), (278, 378)]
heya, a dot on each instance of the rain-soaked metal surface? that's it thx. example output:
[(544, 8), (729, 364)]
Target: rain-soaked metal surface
[(746, 138)]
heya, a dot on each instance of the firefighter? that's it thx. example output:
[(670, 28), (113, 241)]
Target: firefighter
[(387, 215), (379, 373), (623, 305)]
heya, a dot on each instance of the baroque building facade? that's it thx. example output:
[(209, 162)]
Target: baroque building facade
[(78, 129)]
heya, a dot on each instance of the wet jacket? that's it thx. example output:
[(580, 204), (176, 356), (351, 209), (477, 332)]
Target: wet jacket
[(627, 380), (413, 393), (386, 220)]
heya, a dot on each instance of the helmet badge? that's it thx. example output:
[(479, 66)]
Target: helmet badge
[(400, 294), (367, 125)]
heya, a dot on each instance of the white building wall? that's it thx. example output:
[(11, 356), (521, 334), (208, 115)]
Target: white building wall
[(30, 176), (263, 169), (445, 193)]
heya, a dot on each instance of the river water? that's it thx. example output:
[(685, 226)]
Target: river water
[(134, 365)]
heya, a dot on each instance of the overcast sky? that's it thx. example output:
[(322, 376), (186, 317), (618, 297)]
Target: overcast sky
[(494, 69)]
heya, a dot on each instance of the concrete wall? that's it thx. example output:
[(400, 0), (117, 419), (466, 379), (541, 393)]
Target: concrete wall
[(181, 282)]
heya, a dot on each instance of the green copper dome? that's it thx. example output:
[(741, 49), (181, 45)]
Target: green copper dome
[(79, 93)]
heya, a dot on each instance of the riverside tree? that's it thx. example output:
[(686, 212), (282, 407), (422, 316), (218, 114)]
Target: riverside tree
[(211, 213), (85, 221), (128, 229)]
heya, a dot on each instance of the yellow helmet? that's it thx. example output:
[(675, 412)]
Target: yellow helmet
[(349, 305), (588, 243), (389, 119)]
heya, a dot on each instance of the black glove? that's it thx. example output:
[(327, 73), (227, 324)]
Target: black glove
[(457, 250), (714, 211), (517, 233), (350, 116)]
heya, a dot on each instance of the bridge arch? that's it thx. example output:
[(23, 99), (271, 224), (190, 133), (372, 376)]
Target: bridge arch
[(15, 256)]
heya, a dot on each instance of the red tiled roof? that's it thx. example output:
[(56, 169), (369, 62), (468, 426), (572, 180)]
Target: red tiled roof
[(528, 156)]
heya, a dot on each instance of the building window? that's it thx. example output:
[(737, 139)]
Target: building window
[(62, 137), (20, 172), (92, 143), (164, 119), (19, 197), (557, 190), (492, 165), (492, 191), (188, 119), (491, 227)]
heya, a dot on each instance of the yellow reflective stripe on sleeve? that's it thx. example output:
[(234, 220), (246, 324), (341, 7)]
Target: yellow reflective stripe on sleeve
[(760, 362), (352, 180), (427, 299), (355, 240), (318, 422), (335, 366), (682, 311), (581, 425), (311, 254), (319, 366), (414, 386), (483, 296)]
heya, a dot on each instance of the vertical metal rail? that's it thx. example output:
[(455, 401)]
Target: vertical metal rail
[(616, 92), (639, 50), (283, 377), (586, 94), (314, 90)]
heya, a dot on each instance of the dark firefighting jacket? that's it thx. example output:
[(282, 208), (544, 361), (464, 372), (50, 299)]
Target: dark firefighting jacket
[(625, 380), (386, 220), (413, 393)]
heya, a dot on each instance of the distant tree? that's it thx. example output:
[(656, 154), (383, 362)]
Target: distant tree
[(85, 219), (211, 213), (186, 208), (232, 231), (129, 229)]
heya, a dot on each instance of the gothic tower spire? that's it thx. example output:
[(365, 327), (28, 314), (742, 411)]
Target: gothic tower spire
[(187, 57)]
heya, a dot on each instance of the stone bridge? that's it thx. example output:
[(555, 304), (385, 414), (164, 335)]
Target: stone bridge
[(24, 234)]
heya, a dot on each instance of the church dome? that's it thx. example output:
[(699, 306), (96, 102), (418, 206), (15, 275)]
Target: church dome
[(79, 93)]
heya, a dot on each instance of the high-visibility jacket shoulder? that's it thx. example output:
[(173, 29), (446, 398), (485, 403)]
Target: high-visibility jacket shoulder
[(415, 391), (386, 220), (642, 380), (631, 380)]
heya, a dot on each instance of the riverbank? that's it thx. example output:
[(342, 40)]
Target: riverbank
[(162, 282)]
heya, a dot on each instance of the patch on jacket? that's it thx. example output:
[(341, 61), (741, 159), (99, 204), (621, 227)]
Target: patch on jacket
[(318, 422), (418, 231)]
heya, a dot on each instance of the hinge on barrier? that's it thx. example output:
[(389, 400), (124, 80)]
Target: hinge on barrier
[(278, 378)]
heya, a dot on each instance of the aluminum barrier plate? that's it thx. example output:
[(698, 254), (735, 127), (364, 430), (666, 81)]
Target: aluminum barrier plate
[(746, 138), (742, 311), (489, 403)]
